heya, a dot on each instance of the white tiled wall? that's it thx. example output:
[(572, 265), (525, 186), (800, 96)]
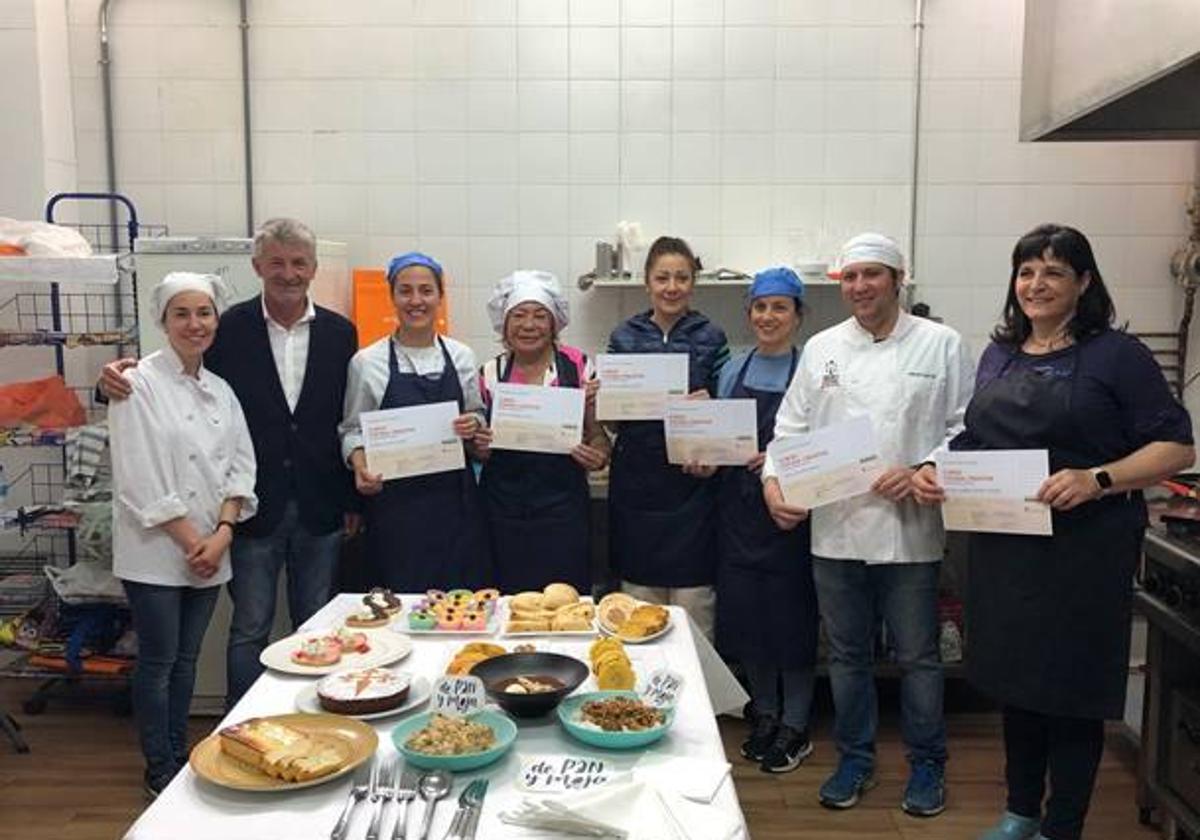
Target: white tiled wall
[(506, 133)]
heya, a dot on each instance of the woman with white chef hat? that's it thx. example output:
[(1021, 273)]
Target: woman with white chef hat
[(538, 502), (183, 475)]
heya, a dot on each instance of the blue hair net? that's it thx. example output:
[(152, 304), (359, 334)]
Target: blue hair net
[(402, 261), (779, 280)]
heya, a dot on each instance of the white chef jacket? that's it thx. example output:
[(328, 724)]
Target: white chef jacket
[(367, 379), (914, 385), (289, 348), (180, 447)]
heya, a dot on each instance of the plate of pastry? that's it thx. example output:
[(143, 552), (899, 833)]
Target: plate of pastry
[(380, 607), (316, 653), (631, 620), (364, 693), (557, 610), (462, 612), (283, 752)]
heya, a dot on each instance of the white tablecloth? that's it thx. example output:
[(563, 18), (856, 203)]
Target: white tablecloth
[(193, 808)]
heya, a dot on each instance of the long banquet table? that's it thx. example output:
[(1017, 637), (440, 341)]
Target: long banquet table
[(192, 807)]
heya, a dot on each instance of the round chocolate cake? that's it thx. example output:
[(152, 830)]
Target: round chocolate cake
[(362, 691)]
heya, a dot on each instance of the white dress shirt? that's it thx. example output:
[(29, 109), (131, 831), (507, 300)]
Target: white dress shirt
[(180, 447), (914, 385), (367, 379), (289, 347)]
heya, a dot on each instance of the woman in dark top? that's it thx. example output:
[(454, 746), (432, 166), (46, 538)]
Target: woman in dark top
[(766, 599), (662, 528), (1048, 617)]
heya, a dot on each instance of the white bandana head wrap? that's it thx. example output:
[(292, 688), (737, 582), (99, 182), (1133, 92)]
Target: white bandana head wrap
[(187, 281), (871, 248)]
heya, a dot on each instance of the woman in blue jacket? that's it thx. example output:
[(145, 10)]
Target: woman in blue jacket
[(662, 525)]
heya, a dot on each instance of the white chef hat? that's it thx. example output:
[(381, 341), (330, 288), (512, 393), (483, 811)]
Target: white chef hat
[(871, 248), (524, 287), (188, 281)]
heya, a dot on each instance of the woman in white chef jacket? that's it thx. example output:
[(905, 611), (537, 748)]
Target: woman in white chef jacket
[(183, 474)]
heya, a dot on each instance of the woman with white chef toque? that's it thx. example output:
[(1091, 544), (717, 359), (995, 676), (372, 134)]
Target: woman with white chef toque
[(183, 475), (537, 502)]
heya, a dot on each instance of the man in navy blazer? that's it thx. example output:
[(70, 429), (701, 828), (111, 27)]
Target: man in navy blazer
[(286, 359)]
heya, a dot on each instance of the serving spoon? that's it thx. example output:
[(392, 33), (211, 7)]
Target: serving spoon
[(433, 786)]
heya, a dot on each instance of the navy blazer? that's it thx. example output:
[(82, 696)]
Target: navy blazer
[(299, 453)]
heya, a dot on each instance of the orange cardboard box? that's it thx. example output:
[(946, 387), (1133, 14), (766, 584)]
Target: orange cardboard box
[(373, 312)]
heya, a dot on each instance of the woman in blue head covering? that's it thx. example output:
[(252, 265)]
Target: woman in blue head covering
[(427, 531), (766, 601)]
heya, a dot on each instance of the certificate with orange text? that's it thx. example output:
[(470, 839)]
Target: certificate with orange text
[(416, 440), (636, 386), (534, 418), (711, 432), (827, 465), (995, 491)]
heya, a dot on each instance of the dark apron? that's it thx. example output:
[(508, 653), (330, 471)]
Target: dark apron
[(428, 531), (662, 528), (537, 507), (1048, 617), (766, 600)]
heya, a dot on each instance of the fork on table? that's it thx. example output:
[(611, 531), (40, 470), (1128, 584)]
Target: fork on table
[(358, 792), (405, 790), (381, 795), (466, 818)]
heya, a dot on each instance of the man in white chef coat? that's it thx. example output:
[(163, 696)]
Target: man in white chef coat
[(878, 554)]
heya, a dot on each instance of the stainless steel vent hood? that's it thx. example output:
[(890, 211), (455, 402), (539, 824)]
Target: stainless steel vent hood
[(1111, 70)]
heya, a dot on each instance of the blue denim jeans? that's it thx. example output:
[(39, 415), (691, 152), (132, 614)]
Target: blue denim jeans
[(311, 561), (170, 622), (770, 684), (851, 595)]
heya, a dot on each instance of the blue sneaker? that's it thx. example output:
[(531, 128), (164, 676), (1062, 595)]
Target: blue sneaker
[(1013, 827), (925, 795), (848, 782)]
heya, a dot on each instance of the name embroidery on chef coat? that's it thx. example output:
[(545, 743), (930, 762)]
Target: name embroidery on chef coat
[(830, 379)]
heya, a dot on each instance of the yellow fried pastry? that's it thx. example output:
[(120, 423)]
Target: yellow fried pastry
[(616, 676)]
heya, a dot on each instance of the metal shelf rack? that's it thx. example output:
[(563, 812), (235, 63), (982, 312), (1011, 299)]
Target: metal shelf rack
[(80, 302)]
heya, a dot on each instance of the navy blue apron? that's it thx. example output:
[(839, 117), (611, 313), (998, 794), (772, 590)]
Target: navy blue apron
[(428, 531), (1048, 617), (766, 599), (537, 507), (662, 531)]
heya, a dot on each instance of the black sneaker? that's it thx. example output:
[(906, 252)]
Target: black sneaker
[(152, 786), (788, 751), (761, 737)]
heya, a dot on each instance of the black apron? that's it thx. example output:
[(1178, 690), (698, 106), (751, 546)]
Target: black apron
[(1048, 617), (428, 531), (662, 528), (537, 507), (766, 600)]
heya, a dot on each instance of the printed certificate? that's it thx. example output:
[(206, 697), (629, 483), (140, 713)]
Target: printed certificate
[(534, 418), (827, 465), (417, 440), (711, 432), (636, 386), (995, 491)]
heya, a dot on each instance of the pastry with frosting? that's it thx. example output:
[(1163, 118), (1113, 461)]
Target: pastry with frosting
[(363, 691)]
